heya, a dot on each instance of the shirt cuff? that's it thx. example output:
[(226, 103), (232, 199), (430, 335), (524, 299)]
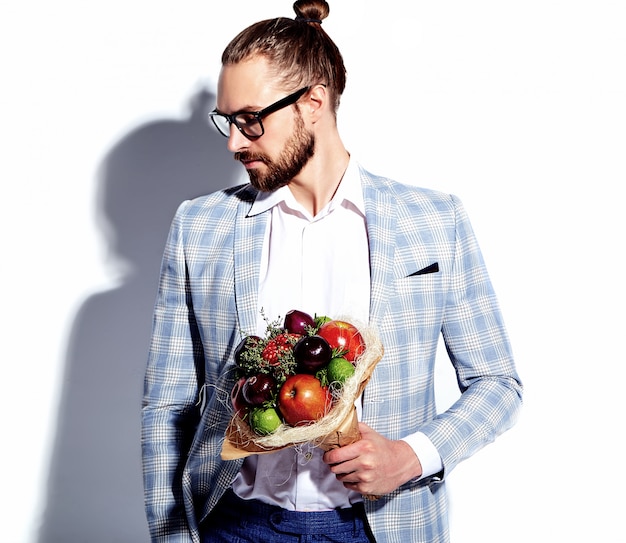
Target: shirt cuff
[(426, 453)]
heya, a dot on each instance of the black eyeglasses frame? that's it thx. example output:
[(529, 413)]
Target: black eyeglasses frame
[(257, 115)]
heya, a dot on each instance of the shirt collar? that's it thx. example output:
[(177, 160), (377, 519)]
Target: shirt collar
[(349, 190)]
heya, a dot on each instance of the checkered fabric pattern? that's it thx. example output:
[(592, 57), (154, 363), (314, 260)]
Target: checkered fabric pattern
[(428, 280)]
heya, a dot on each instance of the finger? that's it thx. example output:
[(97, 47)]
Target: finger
[(351, 478), (344, 468), (337, 456), (367, 432)]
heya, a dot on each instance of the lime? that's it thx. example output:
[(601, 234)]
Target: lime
[(264, 420), (320, 319), (339, 369)]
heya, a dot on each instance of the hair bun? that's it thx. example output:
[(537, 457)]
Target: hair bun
[(311, 11)]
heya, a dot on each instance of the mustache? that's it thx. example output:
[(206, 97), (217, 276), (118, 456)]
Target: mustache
[(247, 155)]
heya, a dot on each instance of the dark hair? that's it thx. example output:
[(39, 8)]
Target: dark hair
[(299, 50)]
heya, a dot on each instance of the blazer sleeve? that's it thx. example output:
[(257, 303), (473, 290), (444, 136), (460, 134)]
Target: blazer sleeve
[(478, 347), (169, 411)]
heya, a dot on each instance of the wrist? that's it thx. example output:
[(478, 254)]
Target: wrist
[(410, 461), (426, 452)]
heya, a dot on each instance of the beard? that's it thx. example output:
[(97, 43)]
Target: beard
[(298, 150)]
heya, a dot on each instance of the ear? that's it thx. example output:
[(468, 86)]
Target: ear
[(318, 102)]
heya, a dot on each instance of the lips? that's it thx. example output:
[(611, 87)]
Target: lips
[(251, 163), (248, 159)]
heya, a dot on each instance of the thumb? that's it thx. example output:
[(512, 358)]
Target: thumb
[(365, 429)]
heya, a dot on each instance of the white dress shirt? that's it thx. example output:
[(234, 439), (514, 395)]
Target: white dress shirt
[(319, 265)]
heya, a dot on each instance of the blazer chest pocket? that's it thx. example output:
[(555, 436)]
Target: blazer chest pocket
[(424, 288), (432, 268)]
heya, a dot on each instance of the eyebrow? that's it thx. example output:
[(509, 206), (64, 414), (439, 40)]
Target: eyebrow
[(245, 109)]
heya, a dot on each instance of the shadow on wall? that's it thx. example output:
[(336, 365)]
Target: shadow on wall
[(95, 489)]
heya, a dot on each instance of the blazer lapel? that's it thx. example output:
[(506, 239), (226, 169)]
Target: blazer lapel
[(248, 248), (381, 228)]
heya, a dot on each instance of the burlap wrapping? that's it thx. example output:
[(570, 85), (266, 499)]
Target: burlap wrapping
[(336, 429)]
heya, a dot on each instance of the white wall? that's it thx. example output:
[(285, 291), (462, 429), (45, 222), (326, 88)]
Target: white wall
[(517, 107)]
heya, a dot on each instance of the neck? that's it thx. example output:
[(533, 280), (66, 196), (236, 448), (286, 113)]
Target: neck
[(317, 183)]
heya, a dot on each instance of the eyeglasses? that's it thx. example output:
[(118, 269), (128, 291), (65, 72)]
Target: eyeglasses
[(249, 122)]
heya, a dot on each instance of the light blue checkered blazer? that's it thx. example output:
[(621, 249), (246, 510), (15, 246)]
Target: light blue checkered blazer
[(427, 279)]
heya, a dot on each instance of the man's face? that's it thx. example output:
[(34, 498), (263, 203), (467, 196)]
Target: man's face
[(277, 172), (286, 146)]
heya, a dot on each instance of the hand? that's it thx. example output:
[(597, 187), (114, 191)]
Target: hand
[(374, 465)]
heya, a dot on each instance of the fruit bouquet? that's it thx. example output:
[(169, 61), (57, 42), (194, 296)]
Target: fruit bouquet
[(298, 385)]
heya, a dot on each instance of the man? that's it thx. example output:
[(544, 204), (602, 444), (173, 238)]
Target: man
[(316, 232)]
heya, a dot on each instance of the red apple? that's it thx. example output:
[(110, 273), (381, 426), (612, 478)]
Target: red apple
[(302, 399), (344, 339)]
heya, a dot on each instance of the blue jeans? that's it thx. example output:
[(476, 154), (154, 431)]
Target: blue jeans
[(250, 521)]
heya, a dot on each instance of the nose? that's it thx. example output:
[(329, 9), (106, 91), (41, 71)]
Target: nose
[(236, 140)]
